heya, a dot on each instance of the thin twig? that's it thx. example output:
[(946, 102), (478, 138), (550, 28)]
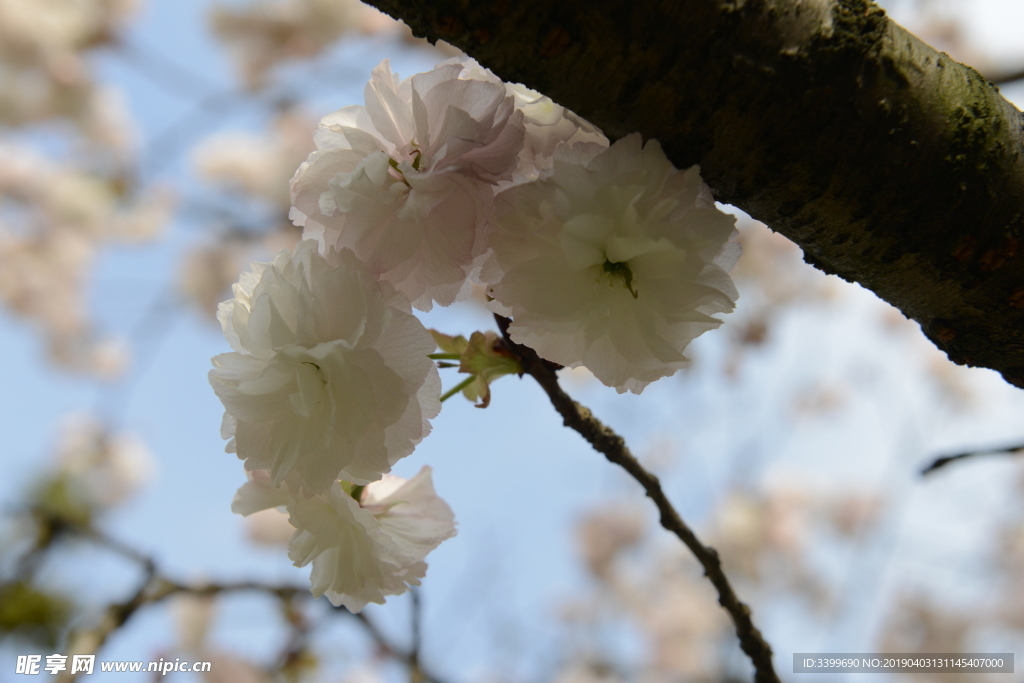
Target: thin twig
[(162, 70), (167, 146), (611, 445), (940, 462), (155, 588), (150, 332), (386, 648), (415, 673), (295, 649), (107, 541)]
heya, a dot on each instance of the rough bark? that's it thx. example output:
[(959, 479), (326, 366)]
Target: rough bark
[(889, 163)]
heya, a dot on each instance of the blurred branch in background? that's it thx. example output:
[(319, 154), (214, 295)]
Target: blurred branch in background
[(54, 528), (944, 460)]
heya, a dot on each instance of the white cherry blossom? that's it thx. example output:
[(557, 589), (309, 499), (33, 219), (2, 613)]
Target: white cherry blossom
[(102, 467), (329, 377), (615, 263), (548, 127), (363, 543), (407, 181)]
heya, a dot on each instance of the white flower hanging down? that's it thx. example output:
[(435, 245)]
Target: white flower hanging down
[(330, 377), (406, 181), (364, 543), (615, 263)]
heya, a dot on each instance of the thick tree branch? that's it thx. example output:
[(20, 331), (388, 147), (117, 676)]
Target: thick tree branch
[(605, 441), (890, 164)]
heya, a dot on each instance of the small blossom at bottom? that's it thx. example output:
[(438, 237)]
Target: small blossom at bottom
[(364, 543)]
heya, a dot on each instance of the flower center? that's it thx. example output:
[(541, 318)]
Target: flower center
[(354, 491), (310, 385), (396, 169), (618, 274)]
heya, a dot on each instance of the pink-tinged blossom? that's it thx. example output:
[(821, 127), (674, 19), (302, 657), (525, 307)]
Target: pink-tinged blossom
[(364, 544), (329, 377), (549, 126), (614, 262), (407, 181)]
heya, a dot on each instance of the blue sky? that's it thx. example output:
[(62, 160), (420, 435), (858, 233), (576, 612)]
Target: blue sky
[(516, 479)]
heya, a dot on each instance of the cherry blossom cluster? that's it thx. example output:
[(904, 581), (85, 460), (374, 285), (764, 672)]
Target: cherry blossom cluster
[(58, 218), (603, 256), (68, 184), (45, 71), (262, 34)]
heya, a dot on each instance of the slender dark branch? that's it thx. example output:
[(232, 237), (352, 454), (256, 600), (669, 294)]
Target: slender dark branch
[(103, 539), (417, 672), (940, 462), (150, 332), (155, 588), (298, 642), (158, 589), (611, 445), (162, 70), (59, 525), (166, 147), (55, 525)]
